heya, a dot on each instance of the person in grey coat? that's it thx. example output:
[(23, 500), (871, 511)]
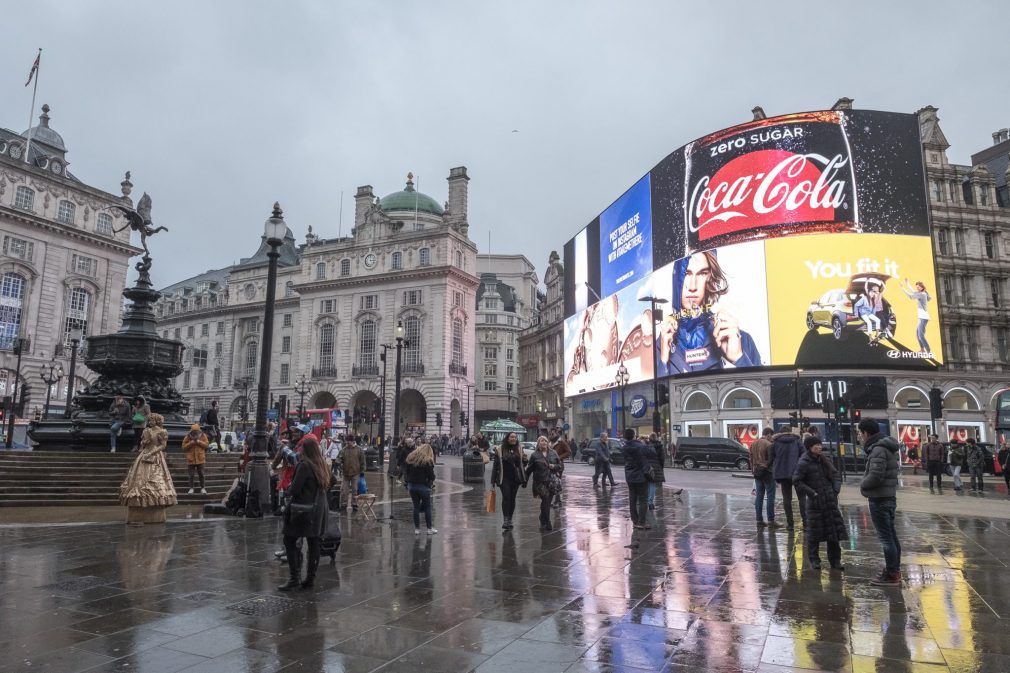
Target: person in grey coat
[(783, 458), (880, 488), (602, 460)]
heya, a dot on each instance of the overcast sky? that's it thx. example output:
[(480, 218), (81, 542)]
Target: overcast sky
[(221, 108)]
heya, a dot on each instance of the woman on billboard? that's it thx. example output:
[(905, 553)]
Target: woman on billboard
[(698, 333), (921, 297)]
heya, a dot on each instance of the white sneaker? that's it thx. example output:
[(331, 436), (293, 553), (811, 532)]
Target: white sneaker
[(112, 450), (417, 531), (190, 492), (432, 531), (203, 491)]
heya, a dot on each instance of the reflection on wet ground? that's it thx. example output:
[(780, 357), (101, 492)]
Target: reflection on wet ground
[(704, 591)]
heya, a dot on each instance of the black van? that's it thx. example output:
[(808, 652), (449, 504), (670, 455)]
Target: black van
[(692, 452)]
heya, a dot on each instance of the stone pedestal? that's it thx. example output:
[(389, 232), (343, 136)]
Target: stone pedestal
[(138, 516)]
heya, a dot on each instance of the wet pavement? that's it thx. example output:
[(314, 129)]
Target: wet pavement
[(704, 591)]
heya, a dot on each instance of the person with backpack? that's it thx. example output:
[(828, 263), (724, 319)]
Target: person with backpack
[(764, 479), (658, 465), (119, 415)]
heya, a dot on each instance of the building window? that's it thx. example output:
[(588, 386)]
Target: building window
[(490, 386), (77, 313), (983, 195), (953, 192), (327, 339), (287, 320), (24, 198), (66, 211), (197, 302), (12, 295), (326, 306), (490, 369), (250, 358), (966, 294), (199, 357), (936, 187), (321, 271), (412, 298), (86, 266), (190, 332), (185, 380), (397, 260), (457, 342), (201, 379), (178, 333), (289, 289), (958, 242), (205, 329), (510, 354), (285, 374), (1002, 344), (424, 257), (994, 290), (972, 333), (510, 372), (103, 224), (941, 242), (218, 349), (491, 353), (220, 327), (369, 302), (412, 333), (491, 304), (491, 319), (184, 303), (457, 298), (217, 378), (285, 344), (459, 259), (989, 240), (18, 247), (345, 267), (954, 343), (418, 226), (366, 348)]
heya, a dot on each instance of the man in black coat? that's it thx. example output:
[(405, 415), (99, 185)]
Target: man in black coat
[(638, 458)]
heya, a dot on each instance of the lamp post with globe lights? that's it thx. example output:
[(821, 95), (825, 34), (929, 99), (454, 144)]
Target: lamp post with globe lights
[(622, 381), (50, 373), (302, 388)]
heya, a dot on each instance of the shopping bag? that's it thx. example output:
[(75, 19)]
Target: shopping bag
[(362, 486), (490, 500)]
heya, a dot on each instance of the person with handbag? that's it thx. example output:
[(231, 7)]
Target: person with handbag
[(544, 467), (638, 472), (508, 474), (764, 480), (818, 479), (419, 476), (305, 515), (352, 463), (119, 415), (141, 411)]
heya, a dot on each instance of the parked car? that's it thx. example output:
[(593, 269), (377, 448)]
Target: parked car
[(692, 452), (588, 454), (835, 308)]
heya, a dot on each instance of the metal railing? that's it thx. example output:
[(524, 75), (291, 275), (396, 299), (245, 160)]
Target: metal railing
[(415, 368), (324, 372), (457, 370), (359, 371)]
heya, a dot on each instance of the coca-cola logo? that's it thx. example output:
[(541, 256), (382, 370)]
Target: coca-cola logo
[(767, 187)]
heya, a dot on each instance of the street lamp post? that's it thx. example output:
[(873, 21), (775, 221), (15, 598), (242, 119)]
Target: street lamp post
[(302, 388), (259, 474), (76, 336), (469, 387), (243, 414), (622, 381), (799, 405), (50, 374), (657, 314), (400, 343), (382, 405)]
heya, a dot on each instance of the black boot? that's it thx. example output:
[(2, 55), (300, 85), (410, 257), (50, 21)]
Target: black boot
[(310, 573), (294, 571)]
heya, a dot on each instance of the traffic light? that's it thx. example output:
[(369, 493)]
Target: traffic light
[(829, 405), (935, 403), (842, 408), (462, 418), (664, 395), (857, 415), (794, 418), (438, 418)]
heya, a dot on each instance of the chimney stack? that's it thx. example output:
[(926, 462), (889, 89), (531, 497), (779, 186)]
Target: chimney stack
[(458, 201), (362, 202)]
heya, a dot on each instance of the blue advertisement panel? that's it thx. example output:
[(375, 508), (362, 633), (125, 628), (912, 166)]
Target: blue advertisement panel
[(626, 239)]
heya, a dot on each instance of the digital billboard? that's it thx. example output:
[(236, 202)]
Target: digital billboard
[(795, 241)]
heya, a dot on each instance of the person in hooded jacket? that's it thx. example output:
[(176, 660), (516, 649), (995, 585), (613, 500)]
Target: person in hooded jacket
[(141, 412), (656, 459), (880, 488), (783, 456), (819, 481), (638, 461)]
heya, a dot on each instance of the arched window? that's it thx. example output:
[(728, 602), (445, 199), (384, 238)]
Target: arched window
[(457, 343), (103, 224), (397, 260), (366, 347), (412, 351), (345, 267), (959, 399), (321, 271), (424, 257), (697, 401), (741, 398), (327, 338), (78, 307), (24, 198), (66, 212), (250, 358), (911, 398), (12, 295)]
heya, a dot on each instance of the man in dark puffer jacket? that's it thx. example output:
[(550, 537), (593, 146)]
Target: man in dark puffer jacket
[(880, 487), (783, 456)]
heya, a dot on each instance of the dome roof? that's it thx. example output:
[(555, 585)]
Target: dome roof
[(409, 200), (43, 134)]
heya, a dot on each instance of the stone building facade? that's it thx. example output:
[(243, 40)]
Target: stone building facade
[(971, 240), (541, 354), (408, 261), (506, 298), (63, 266)]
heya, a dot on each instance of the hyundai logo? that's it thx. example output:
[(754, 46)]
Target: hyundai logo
[(894, 354)]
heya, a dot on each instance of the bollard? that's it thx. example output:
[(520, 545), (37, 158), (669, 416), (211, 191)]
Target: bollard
[(708, 461)]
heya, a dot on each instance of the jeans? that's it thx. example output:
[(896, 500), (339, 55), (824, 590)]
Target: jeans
[(765, 491), (976, 474), (651, 495), (348, 491), (882, 511), (958, 484), (509, 489), (603, 468), (420, 494), (920, 334), (196, 470), (935, 467), (114, 431), (872, 323), (787, 502), (638, 501)]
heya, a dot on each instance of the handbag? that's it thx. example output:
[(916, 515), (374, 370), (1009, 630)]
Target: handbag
[(300, 513), (490, 501), (650, 474), (138, 418)]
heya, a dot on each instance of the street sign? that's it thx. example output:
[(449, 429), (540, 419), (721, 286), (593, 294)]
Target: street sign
[(566, 427), (676, 428), (273, 415)]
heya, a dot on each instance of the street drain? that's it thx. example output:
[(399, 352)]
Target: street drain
[(263, 606), (76, 584)]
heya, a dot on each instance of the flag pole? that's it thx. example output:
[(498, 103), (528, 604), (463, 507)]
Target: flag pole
[(417, 187), (31, 113)]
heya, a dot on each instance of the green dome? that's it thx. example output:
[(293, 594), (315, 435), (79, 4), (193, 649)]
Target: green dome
[(409, 200)]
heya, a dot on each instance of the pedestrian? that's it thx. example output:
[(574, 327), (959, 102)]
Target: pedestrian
[(305, 515), (352, 464), (195, 445), (880, 488), (977, 457), (818, 479), (564, 452), (912, 454), (956, 458), (402, 451), (602, 460), (658, 462), (214, 423), (141, 411), (933, 453), (638, 461), (119, 415), (1003, 458), (333, 455), (508, 474), (783, 456), (544, 466), (419, 475), (764, 481)]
